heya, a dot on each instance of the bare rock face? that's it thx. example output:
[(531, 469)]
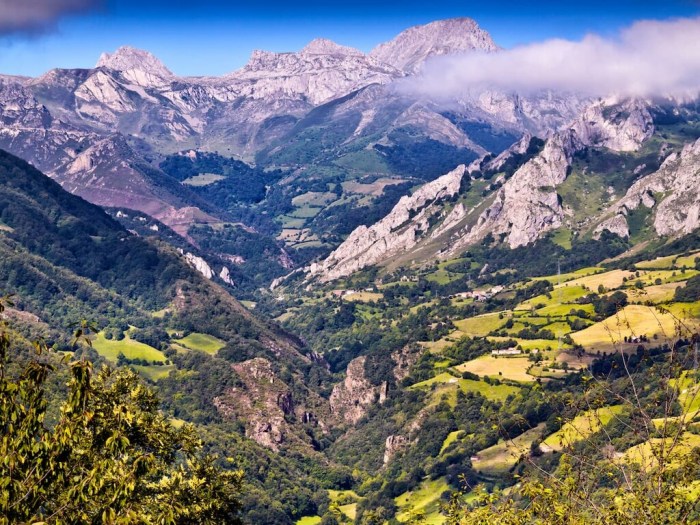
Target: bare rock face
[(617, 225), (411, 48), (323, 70), (495, 164), (617, 125), (199, 264), (397, 232), (351, 398), (672, 192), (266, 404), (393, 445), (404, 358), (130, 59), (528, 205)]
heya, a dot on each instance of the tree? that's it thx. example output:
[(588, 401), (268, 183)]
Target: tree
[(593, 483), (110, 458)]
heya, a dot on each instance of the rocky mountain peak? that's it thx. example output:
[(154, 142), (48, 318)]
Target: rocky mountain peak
[(128, 58), (323, 46), (412, 47)]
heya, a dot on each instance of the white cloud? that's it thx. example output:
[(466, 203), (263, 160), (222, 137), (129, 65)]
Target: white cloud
[(38, 15), (649, 58)]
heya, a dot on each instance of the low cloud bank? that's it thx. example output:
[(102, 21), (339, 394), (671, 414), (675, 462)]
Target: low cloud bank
[(18, 16), (650, 58)]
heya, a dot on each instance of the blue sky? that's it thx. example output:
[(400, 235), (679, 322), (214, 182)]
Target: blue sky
[(211, 37)]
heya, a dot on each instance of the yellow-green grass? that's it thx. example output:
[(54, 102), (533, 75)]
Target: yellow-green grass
[(461, 301), (451, 438), (659, 293), (444, 264), (689, 392), (349, 509), (533, 320), (517, 327), (153, 372), (436, 347), (689, 312), (561, 310), (110, 349), (610, 280), (417, 307), (632, 321), (666, 276), (443, 276), (482, 325), (514, 368), (250, 305), (583, 272), (426, 499), (203, 179), (363, 297), (292, 222), (160, 313), (559, 329), (646, 454), (309, 520), (660, 263), (562, 237), (313, 198), (305, 212), (532, 344), (550, 373), (375, 188), (502, 456), (447, 384), (582, 426), (564, 294), (203, 342), (308, 244), (687, 260)]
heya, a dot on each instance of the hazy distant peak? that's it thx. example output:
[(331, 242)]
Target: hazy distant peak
[(127, 58), (410, 48), (323, 46)]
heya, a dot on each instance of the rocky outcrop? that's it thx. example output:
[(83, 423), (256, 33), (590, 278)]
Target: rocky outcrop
[(619, 125), (397, 232), (617, 225), (267, 406), (352, 397), (494, 164), (393, 445), (412, 47), (524, 208), (404, 359), (528, 205), (225, 275), (672, 193), (199, 264)]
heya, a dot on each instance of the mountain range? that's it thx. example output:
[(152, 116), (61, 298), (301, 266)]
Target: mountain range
[(352, 289), (102, 131)]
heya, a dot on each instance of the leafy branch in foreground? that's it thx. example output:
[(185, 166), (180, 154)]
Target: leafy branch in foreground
[(111, 458)]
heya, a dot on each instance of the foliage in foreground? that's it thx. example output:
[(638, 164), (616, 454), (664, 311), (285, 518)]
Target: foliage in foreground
[(111, 457)]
